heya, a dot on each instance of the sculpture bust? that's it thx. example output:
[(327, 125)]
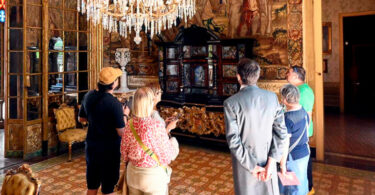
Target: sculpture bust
[(123, 58)]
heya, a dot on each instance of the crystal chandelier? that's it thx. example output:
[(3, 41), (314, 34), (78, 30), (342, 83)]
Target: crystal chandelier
[(122, 15)]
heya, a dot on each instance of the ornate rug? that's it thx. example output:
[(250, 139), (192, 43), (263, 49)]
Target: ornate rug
[(199, 171)]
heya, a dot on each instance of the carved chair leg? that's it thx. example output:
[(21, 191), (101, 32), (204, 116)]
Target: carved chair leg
[(70, 152)]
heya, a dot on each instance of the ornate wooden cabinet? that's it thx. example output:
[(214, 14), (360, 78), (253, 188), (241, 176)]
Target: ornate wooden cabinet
[(46, 62), (197, 73)]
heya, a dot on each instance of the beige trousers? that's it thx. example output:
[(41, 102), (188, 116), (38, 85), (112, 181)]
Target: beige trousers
[(147, 181)]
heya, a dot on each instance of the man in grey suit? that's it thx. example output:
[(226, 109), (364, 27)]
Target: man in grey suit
[(255, 132)]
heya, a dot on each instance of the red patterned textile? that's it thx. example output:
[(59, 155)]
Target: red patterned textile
[(154, 136)]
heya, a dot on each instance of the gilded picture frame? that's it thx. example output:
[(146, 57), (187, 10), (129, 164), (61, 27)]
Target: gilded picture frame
[(172, 86), (229, 52), (229, 70), (327, 38), (172, 70), (171, 53)]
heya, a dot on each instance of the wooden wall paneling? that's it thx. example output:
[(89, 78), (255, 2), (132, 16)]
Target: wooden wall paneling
[(15, 140), (318, 80), (308, 54), (312, 60)]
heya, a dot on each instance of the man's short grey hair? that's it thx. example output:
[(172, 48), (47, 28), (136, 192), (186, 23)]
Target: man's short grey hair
[(290, 93), (249, 71)]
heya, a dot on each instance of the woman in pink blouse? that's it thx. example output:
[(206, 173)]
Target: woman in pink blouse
[(147, 173)]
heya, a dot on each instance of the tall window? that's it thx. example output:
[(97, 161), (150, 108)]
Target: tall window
[(68, 74)]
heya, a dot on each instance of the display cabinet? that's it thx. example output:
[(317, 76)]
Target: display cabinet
[(46, 61), (197, 72)]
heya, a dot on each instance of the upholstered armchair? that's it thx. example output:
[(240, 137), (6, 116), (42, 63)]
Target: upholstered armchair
[(20, 181), (66, 127)]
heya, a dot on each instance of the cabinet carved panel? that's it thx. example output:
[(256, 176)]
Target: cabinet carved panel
[(33, 138), (196, 120), (15, 134)]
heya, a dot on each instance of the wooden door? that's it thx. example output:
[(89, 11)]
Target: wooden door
[(360, 85), (359, 64)]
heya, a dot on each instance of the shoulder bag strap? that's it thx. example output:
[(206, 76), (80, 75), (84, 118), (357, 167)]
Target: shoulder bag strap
[(144, 147), (300, 137)]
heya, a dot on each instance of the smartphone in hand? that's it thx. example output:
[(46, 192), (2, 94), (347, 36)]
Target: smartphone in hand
[(178, 116)]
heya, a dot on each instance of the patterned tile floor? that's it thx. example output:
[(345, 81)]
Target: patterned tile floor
[(199, 171)]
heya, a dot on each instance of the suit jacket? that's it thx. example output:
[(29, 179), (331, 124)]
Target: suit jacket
[(255, 130)]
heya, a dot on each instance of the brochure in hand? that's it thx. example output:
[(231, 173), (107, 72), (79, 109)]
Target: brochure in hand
[(289, 179)]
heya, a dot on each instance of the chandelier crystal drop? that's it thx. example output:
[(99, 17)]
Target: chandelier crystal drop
[(121, 16)]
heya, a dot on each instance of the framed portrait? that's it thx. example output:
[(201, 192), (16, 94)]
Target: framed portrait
[(171, 53), (172, 70), (229, 52), (199, 76), (230, 89), (241, 51), (187, 51), (229, 71), (327, 38), (325, 65), (172, 86), (198, 51)]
